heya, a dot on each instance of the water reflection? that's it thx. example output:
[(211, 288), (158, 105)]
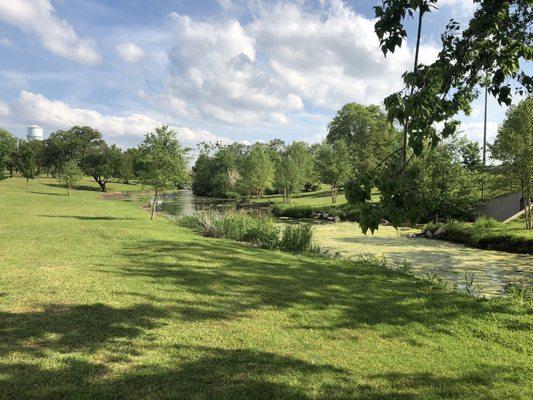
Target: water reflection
[(184, 202)]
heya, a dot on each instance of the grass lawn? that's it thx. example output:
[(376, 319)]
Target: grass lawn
[(98, 302)]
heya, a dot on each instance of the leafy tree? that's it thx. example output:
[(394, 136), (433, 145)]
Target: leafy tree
[(368, 133), (8, 148), (71, 175), (292, 169), (333, 163), (434, 186), (215, 172), (514, 148), (256, 171), (471, 153), (102, 163), (497, 37), (163, 162), (27, 160), (71, 145)]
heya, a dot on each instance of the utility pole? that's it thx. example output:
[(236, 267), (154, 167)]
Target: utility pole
[(415, 70), (484, 145)]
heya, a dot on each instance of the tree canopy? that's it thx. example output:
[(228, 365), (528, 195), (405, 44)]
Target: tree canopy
[(163, 162)]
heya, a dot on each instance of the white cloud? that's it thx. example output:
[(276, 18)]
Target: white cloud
[(54, 114), (38, 17), (285, 59), (214, 67), (4, 109), (474, 130), (5, 42), (129, 52), (458, 7)]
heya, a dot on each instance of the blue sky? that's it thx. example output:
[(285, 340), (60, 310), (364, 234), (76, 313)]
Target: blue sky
[(212, 69)]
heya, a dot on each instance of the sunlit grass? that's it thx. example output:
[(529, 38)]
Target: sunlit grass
[(98, 302)]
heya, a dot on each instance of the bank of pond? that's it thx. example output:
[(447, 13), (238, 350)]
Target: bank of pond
[(482, 272)]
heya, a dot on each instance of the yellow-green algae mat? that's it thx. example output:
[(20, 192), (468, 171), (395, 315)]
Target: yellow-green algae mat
[(492, 270)]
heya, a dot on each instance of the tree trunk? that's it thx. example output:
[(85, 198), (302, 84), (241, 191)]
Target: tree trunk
[(334, 193), (27, 184), (154, 205), (68, 190)]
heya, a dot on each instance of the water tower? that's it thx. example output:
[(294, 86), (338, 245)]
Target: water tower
[(35, 133)]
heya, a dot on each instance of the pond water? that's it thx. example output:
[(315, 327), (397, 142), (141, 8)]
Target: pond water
[(184, 202), (492, 270)]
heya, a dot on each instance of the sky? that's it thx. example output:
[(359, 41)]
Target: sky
[(214, 70)]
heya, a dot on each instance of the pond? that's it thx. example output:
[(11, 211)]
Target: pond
[(184, 202), (492, 270)]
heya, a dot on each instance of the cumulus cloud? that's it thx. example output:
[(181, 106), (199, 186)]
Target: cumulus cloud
[(286, 58), (129, 52), (214, 66), (4, 109), (38, 17), (54, 114)]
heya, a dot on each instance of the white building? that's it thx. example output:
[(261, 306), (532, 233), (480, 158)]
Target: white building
[(35, 133)]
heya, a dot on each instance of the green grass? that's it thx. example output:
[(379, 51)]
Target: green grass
[(511, 237), (98, 302)]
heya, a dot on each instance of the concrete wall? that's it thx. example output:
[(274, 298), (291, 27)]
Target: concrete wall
[(502, 208)]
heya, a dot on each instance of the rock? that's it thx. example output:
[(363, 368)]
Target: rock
[(429, 234), (441, 231), (384, 222), (325, 215), (412, 236)]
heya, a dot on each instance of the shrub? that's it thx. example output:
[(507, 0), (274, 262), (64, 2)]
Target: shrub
[(262, 232), (297, 238), (345, 212), (487, 223)]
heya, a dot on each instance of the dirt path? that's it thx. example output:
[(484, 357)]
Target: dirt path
[(492, 270)]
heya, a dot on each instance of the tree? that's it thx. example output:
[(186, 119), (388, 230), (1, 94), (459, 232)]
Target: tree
[(434, 186), (292, 169), (71, 145), (471, 153), (27, 160), (215, 172), (514, 148), (256, 171), (163, 162), (8, 148), (333, 163), (102, 163), (368, 133), (70, 175), (497, 37)]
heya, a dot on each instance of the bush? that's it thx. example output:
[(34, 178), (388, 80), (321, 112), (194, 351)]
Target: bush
[(262, 232), (344, 212), (297, 238), (482, 234), (487, 223)]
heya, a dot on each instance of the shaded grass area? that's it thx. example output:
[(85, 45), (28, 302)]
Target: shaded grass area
[(115, 306)]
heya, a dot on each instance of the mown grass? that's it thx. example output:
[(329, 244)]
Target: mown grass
[(98, 302)]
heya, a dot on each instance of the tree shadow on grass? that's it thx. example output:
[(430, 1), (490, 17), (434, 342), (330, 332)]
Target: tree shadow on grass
[(199, 372), (77, 187), (230, 280), (49, 194), (88, 217), (67, 328)]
